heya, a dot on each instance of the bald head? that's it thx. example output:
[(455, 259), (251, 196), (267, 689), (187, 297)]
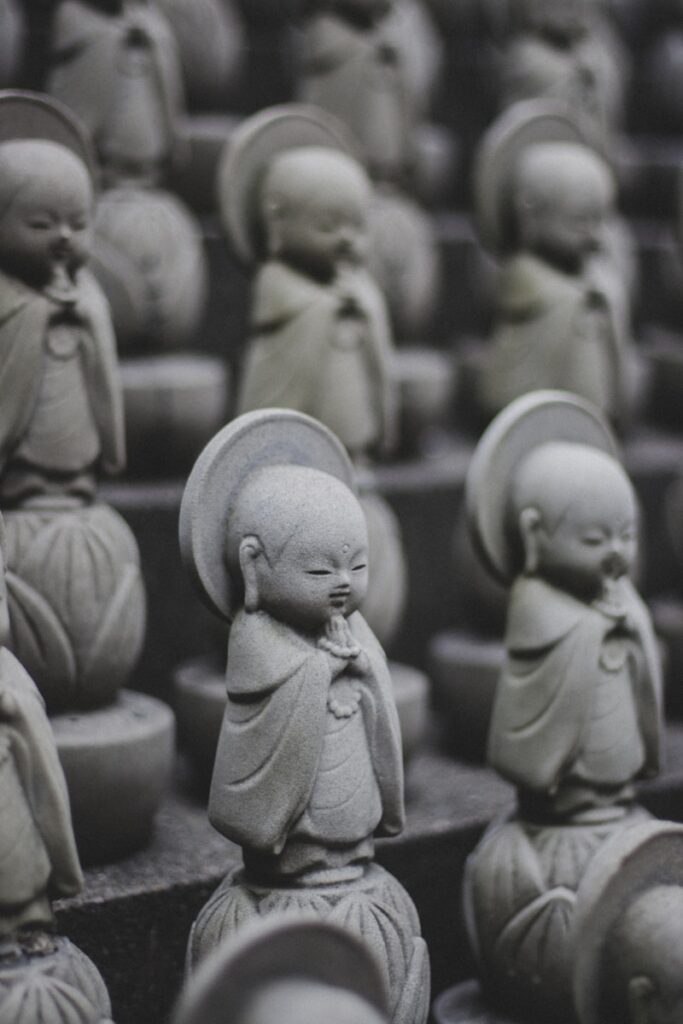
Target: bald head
[(309, 1002), (40, 164), (644, 958), (319, 172), (280, 502), (547, 171), (559, 475)]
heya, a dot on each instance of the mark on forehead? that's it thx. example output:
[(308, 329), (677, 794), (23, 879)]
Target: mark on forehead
[(346, 548)]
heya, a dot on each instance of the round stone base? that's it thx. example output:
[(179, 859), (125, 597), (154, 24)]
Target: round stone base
[(426, 382), (117, 762), (61, 983), (464, 670), (199, 699), (173, 404), (465, 1004), (374, 906)]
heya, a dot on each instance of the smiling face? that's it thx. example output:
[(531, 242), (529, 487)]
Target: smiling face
[(315, 204), (46, 205), (578, 518)]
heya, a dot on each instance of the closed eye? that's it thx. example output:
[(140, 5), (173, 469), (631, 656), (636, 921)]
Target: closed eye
[(359, 568), (318, 572), (592, 540)]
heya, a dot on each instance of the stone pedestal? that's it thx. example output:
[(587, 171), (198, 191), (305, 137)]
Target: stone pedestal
[(117, 762), (464, 669), (174, 404), (134, 917)]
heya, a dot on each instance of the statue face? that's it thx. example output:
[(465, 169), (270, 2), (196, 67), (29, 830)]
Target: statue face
[(595, 541), (318, 222), (321, 572), (46, 220), (569, 228)]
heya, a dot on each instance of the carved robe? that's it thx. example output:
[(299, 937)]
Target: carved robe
[(359, 76), (554, 731), (37, 849), (29, 323), (557, 330), (323, 350), (276, 736)]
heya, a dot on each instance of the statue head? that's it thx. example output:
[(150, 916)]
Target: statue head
[(644, 959), (561, 21), (309, 1002), (562, 195), (298, 539), (46, 209), (315, 203), (575, 512)]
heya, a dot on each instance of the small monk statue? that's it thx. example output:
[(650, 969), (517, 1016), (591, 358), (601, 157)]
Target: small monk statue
[(76, 595), (566, 50), (363, 62), (562, 316), (319, 337), (287, 970), (577, 711), (629, 932), (115, 63), (38, 858), (308, 769)]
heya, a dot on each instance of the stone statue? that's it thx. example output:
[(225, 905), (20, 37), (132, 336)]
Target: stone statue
[(38, 858), (287, 970), (565, 50), (76, 596), (295, 201), (361, 62), (116, 64), (577, 711), (545, 202), (308, 769), (629, 946)]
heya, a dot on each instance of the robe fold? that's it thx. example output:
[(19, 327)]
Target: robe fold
[(274, 726), (24, 322), (555, 647), (298, 328), (543, 338), (32, 747)]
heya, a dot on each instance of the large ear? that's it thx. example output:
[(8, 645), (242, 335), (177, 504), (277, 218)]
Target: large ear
[(529, 528), (641, 994), (250, 551)]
